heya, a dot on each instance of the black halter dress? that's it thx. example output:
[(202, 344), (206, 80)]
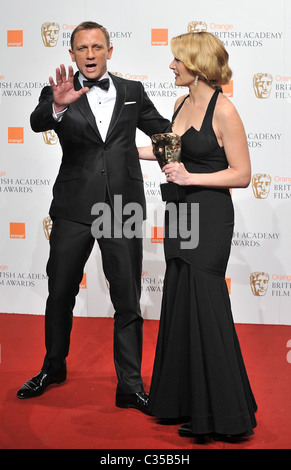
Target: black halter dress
[(199, 370)]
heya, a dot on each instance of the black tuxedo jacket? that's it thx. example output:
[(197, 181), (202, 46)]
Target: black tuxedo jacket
[(89, 166)]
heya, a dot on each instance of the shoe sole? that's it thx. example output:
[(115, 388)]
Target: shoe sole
[(121, 405), (185, 434), (126, 405), (133, 407)]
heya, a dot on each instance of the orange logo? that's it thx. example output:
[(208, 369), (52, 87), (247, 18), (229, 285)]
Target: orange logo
[(83, 284), (228, 89), (228, 283), (15, 135), (157, 235), (17, 230), (15, 38), (159, 37)]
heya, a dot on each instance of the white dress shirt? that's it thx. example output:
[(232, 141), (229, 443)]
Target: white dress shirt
[(101, 103)]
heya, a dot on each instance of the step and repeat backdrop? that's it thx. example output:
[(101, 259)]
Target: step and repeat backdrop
[(34, 40)]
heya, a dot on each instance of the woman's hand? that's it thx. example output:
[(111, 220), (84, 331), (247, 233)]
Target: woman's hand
[(176, 173)]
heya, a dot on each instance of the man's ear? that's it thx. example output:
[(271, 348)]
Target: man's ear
[(109, 53), (72, 55)]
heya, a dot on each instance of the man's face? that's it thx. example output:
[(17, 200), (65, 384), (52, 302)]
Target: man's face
[(91, 52)]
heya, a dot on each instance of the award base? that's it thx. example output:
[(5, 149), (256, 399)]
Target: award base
[(171, 192)]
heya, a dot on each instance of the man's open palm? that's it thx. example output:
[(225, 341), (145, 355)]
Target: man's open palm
[(63, 91)]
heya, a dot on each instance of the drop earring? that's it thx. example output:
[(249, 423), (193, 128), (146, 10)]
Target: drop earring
[(196, 80)]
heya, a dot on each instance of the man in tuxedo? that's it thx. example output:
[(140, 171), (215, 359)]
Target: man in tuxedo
[(96, 129)]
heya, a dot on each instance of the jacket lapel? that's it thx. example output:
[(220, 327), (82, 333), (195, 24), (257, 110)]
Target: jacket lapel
[(120, 100), (83, 105)]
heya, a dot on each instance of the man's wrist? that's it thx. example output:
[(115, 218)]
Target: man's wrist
[(58, 108), (58, 114)]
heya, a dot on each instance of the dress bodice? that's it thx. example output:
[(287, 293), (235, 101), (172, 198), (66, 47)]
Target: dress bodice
[(201, 153), (200, 150)]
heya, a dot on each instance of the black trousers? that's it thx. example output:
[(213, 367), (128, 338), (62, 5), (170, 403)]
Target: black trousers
[(70, 246)]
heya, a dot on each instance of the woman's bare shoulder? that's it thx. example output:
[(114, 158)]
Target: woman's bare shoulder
[(179, 101), (224, 106)]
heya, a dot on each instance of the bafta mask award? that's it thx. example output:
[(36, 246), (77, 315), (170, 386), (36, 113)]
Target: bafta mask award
[(167, 149)]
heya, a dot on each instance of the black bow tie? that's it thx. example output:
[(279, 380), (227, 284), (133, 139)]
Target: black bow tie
[(103, 84)]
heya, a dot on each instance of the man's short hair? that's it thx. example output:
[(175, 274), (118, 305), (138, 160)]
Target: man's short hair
[(90, 25)]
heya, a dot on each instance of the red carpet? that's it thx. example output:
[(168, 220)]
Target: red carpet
[(80, 414)]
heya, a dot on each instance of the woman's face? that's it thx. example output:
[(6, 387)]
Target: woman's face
[(183, 77)]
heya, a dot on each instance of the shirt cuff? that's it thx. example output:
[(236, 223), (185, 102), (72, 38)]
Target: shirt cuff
[(58, 116)]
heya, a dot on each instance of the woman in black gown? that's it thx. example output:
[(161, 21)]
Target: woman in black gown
[(199, 371)]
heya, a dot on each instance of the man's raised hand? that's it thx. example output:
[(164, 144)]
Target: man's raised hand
[(63, 90)]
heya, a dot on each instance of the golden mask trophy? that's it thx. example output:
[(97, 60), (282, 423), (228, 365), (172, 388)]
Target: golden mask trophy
[(167, 149)]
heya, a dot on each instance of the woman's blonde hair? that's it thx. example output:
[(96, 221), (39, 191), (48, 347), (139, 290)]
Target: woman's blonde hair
[(204, 55)]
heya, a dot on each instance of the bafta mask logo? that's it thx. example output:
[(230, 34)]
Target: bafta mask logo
[(196, 27), (117, 74), (166, 148), (262, 83), (259, 282), (47, 227), (50, 137), (261, 184), (50, 34)]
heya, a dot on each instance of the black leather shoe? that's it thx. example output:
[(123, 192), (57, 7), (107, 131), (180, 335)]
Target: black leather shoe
[(138, 400), (37, 385), (186, 430)]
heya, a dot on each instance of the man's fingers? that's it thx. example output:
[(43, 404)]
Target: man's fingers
[(71, 73), (61, 76), (58, 77), (63, 73), (83, 90), (51, 82)]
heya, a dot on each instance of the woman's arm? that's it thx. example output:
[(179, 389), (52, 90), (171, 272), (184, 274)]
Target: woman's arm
[(146, 153)]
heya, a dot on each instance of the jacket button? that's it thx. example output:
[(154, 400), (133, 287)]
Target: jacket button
[(103, 172)]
